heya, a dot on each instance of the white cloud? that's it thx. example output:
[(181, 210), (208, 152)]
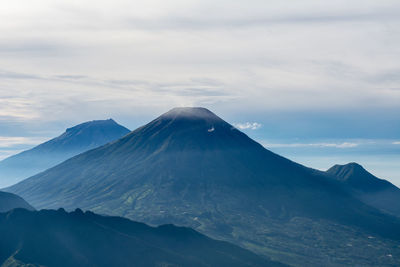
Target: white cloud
[(335, 145), (396, 143), (68, 58), (248, 125)]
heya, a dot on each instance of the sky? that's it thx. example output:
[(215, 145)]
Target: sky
[(316, 81)]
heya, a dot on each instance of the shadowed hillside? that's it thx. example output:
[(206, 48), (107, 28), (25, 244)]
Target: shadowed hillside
[(376, 192), (57, 239)]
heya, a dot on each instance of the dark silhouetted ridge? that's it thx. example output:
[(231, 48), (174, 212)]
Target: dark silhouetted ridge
[(60, 239)]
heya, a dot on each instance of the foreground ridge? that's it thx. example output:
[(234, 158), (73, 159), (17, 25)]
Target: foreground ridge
[(57, 238)]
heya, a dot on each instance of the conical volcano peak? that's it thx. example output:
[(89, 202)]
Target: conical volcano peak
[(192, 119), (187, 129), (190, 113)]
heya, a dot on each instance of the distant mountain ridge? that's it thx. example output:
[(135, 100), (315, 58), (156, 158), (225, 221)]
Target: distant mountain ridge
[(73, 141), (376, 192), (60, 239), (10, 201), (189, 167), (88, 134)]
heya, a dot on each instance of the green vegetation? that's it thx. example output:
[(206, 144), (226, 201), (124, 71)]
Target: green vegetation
[(60, 239)]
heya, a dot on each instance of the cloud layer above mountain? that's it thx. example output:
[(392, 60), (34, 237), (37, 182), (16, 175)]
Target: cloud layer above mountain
[(64, 58)]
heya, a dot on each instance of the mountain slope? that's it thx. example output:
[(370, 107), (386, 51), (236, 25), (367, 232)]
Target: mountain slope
[(189, 167), (73, 141), (368, 188), (57, 238), (10, 201)]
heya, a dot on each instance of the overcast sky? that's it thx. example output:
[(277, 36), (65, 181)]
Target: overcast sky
[(290, 69)]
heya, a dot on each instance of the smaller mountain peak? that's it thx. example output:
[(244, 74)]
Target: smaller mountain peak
[(86, 136), (355, 175), (93, 123), (351, 172), (353, 165), (349, 167)]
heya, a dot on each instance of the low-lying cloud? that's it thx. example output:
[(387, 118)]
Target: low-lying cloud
[(334, 145), (10, 141), (248, 125)]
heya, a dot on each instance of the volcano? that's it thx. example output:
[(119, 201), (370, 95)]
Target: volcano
[(191, 168)]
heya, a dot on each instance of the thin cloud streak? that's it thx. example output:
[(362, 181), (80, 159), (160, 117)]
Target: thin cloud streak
[(203, 24), (326, 145), (10, 141)]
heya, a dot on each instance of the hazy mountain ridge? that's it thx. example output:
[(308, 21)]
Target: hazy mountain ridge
[(9, 201), (368, 188), (73, 141), (57, 238), (189, 167)]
